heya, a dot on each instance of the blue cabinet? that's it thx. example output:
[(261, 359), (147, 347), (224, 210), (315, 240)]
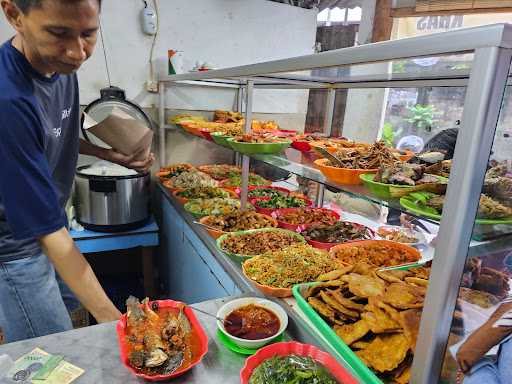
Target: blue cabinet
[(188, 270)]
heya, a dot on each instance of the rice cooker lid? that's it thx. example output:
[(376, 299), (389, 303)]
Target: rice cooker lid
[(107, 170), (110, 98)]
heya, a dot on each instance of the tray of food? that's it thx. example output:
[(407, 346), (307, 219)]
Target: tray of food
[(221, 139), (220, 171), (235, 181), (427, 204), (298, 219), (190, 179), (173, 170), (184, 195), (276, 272), (257, 143), (352, 162), (244, 244), (292, 362), (327, 236), (370, 316), (268, 205), (401, 235), (216, 206), (263, 191), (303, 142), (237, 221), (400, 178), (379, 253), (161, 339)]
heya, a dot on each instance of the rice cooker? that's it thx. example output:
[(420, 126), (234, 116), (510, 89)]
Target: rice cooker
[(109, 197)]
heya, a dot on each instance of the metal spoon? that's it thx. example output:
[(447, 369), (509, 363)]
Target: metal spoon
[(330, 156), (212, 315), (206, 226)]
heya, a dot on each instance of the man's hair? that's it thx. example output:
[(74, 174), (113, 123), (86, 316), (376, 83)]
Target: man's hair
[(27, 5)]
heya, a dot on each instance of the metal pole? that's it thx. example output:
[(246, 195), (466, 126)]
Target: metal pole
[(239, 108), (481, 111), (329, 111), (161, 122), (319, 199), (247, 128)]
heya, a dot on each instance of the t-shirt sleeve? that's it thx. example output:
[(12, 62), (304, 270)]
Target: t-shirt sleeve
[(27, 189)]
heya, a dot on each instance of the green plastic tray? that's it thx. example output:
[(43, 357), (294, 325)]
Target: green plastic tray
[(255, 148), (360, 368), (379, 189), (221, 139), (410, 204), (242, 258)]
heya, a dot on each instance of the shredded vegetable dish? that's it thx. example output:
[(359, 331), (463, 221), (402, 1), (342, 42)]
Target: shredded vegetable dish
[(296, 264)]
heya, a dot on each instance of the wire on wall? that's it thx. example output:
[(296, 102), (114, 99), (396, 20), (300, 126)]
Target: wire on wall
[(105, 54), (151, 52)]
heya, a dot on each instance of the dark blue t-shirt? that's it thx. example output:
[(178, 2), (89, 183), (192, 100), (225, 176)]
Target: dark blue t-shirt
[(39, 135)]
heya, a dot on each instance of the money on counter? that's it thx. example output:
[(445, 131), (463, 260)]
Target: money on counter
[(39, 367)]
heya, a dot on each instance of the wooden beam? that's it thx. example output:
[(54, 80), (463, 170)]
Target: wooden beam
[(383, 21), (411, 12)]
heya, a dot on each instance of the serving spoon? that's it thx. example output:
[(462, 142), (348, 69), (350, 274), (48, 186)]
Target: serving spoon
[(212, 315)]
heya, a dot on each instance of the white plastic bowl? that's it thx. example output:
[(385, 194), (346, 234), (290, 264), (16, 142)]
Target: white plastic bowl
[(230, 306), (417, 234)]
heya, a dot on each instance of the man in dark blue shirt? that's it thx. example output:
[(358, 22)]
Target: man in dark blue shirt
[(39, 146)]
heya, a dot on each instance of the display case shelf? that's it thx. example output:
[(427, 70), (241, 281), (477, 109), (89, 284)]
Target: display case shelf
[(486, 54)]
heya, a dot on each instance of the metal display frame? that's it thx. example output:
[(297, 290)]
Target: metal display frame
[(491, 47)]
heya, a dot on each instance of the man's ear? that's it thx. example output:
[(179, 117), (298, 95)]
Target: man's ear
[(12, 13)]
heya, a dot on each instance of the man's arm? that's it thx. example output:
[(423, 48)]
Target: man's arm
[(113, 156), (78, 275)]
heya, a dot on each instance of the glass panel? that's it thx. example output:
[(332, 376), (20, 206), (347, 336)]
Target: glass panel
[(479, 331), (438, 67)]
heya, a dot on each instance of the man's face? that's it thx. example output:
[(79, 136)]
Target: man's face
[(60, 35)]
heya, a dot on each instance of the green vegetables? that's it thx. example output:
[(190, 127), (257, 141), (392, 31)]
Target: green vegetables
[(266, 192), (202, 193), (291, 369), (236, 181), (282, 202)]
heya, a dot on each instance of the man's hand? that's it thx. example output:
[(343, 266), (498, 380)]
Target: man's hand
[(129, 161), (114, 156)]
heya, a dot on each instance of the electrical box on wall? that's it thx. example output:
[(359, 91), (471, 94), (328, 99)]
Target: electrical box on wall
[(148, 19)]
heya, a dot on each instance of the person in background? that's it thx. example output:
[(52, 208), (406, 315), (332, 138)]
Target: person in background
[(471, 356), (39, 146)]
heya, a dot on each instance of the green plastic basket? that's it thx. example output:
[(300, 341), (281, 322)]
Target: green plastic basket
[(258, 148), (241, 258), (365, 374), (221, 139)]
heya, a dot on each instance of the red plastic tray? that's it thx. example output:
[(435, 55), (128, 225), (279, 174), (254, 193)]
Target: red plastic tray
[(196, 326), (299, 227), (341, 374), (302, 146)]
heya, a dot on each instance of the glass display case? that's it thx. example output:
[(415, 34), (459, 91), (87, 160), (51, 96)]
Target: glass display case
[(468, 226)]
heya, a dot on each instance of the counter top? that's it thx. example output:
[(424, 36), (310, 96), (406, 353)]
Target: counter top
[(95, 349)]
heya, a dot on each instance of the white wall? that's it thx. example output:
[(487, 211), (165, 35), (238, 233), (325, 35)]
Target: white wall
[(222, 32)]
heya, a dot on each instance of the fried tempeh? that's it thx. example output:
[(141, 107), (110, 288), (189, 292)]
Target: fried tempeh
[(386, 352), (352, 332), (333, 303), (347, 303), (336, 274), (364, 286), (410, 322)]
